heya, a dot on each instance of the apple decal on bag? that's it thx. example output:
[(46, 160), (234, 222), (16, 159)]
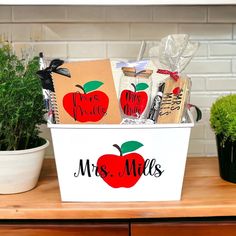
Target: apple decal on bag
[(87, 106)]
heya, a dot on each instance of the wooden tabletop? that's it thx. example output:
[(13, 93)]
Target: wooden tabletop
[(204, 194)]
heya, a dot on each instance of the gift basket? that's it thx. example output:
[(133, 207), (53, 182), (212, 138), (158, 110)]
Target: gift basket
[(132, 156)]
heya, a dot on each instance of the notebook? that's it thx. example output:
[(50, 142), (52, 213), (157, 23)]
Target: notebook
[(88, 96)]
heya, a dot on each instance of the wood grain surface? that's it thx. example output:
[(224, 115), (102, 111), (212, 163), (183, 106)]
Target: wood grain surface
[(204, 194), (58, 229), (207, 228)]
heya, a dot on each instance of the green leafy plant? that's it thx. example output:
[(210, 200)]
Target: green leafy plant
[(223, 117), (21, 102)]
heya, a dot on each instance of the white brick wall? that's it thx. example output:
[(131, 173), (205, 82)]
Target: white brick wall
[(116, 31)]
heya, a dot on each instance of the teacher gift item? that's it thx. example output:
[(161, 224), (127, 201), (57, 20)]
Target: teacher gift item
[(116, 162), (173, 55), (156, 104), (174, 100), (87, 96), (135, 90)]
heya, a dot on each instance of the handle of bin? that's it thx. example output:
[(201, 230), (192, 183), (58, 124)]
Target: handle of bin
[(198, 111)]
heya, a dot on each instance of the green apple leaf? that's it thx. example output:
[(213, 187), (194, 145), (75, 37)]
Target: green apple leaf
[(141, 86), (92, 85), (130, 146)]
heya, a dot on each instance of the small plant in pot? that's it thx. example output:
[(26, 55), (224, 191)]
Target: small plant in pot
[(22, 112), (223, 122)]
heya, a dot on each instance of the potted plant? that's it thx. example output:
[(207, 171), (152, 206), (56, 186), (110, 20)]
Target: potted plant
[(223, 122), (22, 111)]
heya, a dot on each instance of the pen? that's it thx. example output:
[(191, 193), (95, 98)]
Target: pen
[(46, 93), (155, 107)]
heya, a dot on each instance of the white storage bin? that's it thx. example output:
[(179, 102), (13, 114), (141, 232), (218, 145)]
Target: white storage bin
[(77, 149)]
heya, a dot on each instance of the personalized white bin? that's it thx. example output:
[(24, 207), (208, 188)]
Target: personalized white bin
[(120, 162)]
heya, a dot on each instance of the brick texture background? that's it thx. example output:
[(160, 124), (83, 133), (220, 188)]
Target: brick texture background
[(78, 32)]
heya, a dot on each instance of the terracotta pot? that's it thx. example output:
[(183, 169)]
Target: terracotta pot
[(20, 169)]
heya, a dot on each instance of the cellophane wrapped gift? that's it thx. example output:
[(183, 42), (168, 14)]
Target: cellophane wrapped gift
[(171, 57)]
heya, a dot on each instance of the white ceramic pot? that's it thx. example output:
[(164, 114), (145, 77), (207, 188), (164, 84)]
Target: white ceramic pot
[(20, 170)]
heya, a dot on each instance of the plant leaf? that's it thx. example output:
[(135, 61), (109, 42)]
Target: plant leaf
[(223, 117), (141, 86), (130, 146), (21, 101), (92, 85)]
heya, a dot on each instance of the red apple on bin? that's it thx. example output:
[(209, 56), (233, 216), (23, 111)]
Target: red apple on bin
[(122, 170), (89, 105), (133, 103)]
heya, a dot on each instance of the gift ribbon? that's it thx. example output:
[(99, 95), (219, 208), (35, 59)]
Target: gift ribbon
[(138, 65), (46, 77), (174, 75)]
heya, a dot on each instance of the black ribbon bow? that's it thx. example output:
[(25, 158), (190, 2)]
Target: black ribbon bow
[(46, 74)]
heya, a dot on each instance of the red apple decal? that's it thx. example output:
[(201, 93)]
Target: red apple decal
[(87, 106), (133, 103), (176, 90), (123, 170)]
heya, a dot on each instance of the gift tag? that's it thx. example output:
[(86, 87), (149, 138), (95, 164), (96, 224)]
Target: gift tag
[(174, 100)]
